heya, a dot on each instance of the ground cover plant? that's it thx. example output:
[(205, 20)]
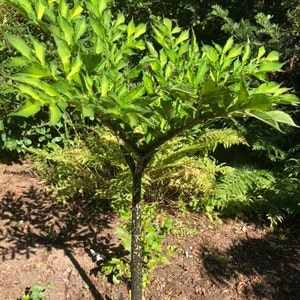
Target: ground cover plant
[(145, 93)]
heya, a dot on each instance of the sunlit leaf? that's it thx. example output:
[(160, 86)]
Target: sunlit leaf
[(130, 28), (228, 45), (39, 50), (272, 56), (184, 35), (139, 30), (55, 114), (28, 109), (270, 66), (40, 9), (20, 45)]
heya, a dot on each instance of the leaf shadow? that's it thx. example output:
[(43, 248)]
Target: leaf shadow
[(32, 219), (268, 268)]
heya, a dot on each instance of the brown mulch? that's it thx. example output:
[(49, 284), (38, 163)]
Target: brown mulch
[(45, 242)]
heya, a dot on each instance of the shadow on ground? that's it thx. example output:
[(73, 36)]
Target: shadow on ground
[(32, 219), (268, 268)]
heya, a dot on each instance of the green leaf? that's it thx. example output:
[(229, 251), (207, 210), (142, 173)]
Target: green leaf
[(273, 56), (184, 35), (80, 28), (136, 92), (228, 45), (139, 30), (63, 8), (247, 53), (19, 45), (43, 86), (185, 93), (102, 6), (120, 19), (36, 71), (235, 51), (76, 66), (151, 49), (67, 30), (259, 102), (130, 28), (55, 114), (17, 61), (211, 53), (40, 9), (104, 86), (87, 111), (39, 50), (75, 12), (28, 109), (28, 90), (270, 66), (261, 52), (267, 88), (289, 99), (148, 84), (272, 118), (64, 53)]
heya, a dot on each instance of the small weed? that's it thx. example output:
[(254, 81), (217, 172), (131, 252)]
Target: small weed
[(155, 227), (36, 292)]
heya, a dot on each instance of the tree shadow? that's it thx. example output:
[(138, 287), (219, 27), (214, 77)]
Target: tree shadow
[(268, 268), (32, 219)]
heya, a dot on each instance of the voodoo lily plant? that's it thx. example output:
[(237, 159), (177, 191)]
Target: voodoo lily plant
[(146, 84)]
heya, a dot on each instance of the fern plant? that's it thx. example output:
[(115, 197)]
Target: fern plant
[(183, 170)]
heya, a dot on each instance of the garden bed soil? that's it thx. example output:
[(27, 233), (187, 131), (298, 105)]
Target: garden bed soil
[(46, 243)]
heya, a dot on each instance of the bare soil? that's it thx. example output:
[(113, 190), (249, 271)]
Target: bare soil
[(45, 242)]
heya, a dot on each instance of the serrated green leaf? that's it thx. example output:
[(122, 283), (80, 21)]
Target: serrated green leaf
[(20, 45), (139, 30), (247, 52), (39, 9), (235, 51), (39, 50), (130, 28), (75, 12), (28, 90), (17, 61), (261, 52), (136, 92), (120, 19), (228, 45), (267, 88), (272, 118), (36, 71), (43, 86), (148, 84), (75, 68), (67, 30), (172, 55), (273, 56), (28, 109), (270, 66), (102, 6), (184, 35), (289, 99), (211, 53), (80, 28), (64, 53), (259, 102), (63, 8)]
